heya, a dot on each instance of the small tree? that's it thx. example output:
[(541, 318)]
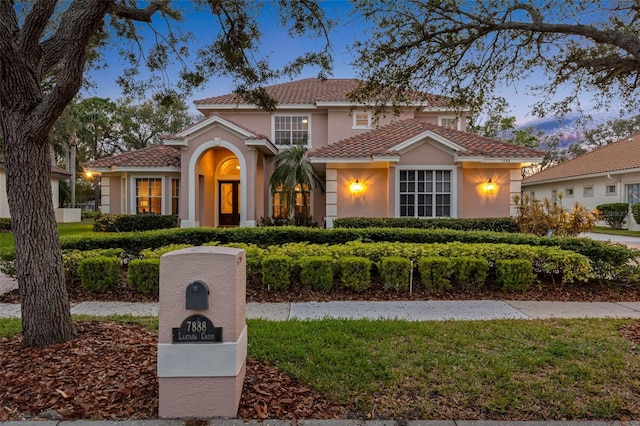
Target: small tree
[(542, 217), (293, 174), (614, 214)]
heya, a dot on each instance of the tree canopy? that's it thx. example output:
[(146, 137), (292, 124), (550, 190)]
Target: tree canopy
[(470, 49), (45, 49)]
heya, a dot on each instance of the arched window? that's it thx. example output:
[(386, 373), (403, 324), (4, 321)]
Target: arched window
[(229, 167)]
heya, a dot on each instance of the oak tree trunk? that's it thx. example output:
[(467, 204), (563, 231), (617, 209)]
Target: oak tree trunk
[(46, 317)]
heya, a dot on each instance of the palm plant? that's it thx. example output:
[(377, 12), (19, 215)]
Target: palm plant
[(293, 173)]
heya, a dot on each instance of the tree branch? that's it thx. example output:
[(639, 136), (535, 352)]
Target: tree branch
[(34, 26), (141, 15)]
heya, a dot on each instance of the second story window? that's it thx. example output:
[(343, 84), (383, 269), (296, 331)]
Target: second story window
[(361, 120), (291, 129), (449, 122)]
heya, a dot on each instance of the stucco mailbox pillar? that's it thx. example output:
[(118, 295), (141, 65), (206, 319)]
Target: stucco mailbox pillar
[(202, 335)]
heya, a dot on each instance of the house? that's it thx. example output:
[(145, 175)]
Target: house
[(420, 163), (609, 174), (57, 174)]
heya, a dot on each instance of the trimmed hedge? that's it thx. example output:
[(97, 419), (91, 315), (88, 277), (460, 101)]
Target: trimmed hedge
[(514, 275), (276, 272), (144, 275), (71, 259), (317, 272), (435, 272), (470, 272), (601, 253), (635, 210), (99, 273), (499, 224), (355, 272), (614, 213), (395, 272), (131, 222)]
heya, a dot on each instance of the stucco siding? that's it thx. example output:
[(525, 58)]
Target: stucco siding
[(372, 201), (477, 201)]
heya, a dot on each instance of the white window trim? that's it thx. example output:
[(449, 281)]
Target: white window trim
[(444, 117), (454, 186), (357, 127), (584, 191), (132, 192), (171, 197), (606, 190), (273, 128)]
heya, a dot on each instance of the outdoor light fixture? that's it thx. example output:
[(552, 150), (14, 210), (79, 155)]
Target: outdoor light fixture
[(356, 188), (489, 186)]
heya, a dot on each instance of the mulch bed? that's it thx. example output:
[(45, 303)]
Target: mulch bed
[(109, 373), (256, 292)]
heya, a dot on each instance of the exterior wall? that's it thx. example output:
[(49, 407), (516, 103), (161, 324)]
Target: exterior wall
[(426, 154), (340, 123), (476, 201), (544, 190), (373, 200)]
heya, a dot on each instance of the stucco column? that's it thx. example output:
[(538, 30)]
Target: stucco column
[(248, 187), (331, 194), (391, 200)]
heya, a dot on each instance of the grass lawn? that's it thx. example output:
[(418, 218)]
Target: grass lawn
[(607, 230), (64, 229), (510, 369)]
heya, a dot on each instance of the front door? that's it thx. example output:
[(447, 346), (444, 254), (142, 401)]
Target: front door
[(228, 203)]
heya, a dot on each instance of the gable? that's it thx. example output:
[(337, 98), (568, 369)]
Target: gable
[(427, 152)]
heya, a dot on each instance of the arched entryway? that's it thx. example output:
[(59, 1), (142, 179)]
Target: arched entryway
[(219, 193), (228, 177)]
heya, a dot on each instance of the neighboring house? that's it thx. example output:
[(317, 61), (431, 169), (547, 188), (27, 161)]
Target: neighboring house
[(418, 164), (609, 174), (57, 174)]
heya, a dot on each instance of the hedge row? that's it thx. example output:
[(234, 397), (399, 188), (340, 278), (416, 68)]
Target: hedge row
[(603, 254), (320, 273), (498, 224), (131, 223)]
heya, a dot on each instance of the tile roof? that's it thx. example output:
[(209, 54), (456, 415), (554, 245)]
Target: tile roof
[(381, 141), (312, 90), (616, 156), (152, 156)]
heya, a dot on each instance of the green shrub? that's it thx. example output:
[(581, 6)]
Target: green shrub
[(317, 272), (514, 275), (254, 257), (603, 254), (298, 220), (470, 272), (158, 252), (635, 210), (71, 260), (144, 275), (435, 272), (99, 273), (500, 224), (132, 222), (395, 272), (276, 272), (355, 272), (89, 214), (614, 214), (5, 224)]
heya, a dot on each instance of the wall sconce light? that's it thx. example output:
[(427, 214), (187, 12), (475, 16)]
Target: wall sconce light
[(356, 188), (489, 186)]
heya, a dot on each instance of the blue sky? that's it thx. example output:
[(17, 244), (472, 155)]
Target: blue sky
[(282, 48)]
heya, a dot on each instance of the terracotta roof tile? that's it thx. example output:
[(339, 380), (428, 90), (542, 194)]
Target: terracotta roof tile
[(616, 156), (152, 156), (312, 90), (381, 141)]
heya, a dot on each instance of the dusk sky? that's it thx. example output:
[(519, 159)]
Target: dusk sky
[(282, 48)]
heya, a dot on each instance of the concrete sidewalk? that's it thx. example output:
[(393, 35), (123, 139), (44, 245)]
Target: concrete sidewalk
[(429, 310)]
